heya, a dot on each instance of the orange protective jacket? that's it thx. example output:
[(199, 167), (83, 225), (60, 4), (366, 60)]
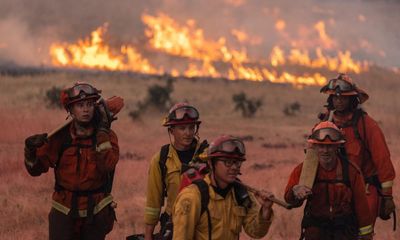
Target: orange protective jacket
[(372, 155), (79, 168), (330, 200)]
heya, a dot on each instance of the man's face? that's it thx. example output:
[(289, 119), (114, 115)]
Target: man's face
[(326, 153), (226, 170), (341, 103), (83, 111), (183, 135)]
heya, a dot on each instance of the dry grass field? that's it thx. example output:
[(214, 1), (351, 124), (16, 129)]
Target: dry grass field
[(275, 141)]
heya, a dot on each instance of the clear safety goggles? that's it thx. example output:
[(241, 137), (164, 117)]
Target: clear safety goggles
[(324, 133), (229, 146), (180, 113), (340, 84), (86, 89)]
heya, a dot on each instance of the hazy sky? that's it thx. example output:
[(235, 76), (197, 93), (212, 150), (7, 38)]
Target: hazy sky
[(28, 27)]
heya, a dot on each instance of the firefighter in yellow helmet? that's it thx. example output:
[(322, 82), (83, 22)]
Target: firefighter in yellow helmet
[(218, 207), (166, 166), (337, 207)]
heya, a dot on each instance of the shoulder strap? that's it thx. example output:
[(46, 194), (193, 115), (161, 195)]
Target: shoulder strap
[(241, 195), (163, 167), (359, 113), (205, 199)]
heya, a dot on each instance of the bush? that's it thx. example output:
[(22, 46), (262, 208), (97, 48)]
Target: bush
[(53, 97), (248, 107), (158, 97), (292, 109)]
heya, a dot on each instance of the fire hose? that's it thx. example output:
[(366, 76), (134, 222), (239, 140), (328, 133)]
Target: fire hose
[(272, 199)]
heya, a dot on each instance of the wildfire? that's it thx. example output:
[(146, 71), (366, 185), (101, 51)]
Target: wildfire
[(92, 52), (205, 57)]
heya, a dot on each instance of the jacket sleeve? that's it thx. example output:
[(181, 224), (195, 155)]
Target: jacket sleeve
[(186, 213), (254, 224), (380, 154), (154, 192), (360, 203), (293, 180), (107, 151)]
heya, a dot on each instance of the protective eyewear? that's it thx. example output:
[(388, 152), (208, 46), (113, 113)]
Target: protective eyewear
[(77, 90), (230, 146), (342, 85), (180, 113), (230, 162), (323, 133)]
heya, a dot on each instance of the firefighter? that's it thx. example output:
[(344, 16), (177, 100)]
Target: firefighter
[(365, 142), (83, 155), (337, 207), (218, 207), (166, 166)]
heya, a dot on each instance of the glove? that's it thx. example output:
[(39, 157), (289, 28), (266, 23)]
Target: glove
[(31, 144), (35, 141), (105, 119), (387, 207)]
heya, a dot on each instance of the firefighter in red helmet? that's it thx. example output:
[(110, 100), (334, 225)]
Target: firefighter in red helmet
[(337, 207), (83, 155), (167, 165), (365, 142), (218, 206)]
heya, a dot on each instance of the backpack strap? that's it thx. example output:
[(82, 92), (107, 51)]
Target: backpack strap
[(359, 113), (163, 168), (205, 199)]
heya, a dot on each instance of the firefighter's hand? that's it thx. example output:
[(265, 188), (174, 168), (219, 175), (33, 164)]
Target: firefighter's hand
[(301, 192), (263, 197), (104, 118), (35, 141), (387, 207)]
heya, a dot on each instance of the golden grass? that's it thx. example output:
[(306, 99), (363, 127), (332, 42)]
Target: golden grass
[(25, 201)]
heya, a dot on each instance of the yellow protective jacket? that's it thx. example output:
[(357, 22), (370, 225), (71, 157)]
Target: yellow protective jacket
[(154, 199), (227, 217)]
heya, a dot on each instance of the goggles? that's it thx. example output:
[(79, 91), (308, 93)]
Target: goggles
[(180, 113), (230, 162), (229, 146), (77, 90), (340, 84), (324, 133)]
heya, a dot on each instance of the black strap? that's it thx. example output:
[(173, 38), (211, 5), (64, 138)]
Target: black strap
[(205, 199), (163, 168)]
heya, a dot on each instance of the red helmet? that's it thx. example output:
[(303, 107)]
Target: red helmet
[(326, 133), (182, 113), (80, 91), (343, 85), (227, 146)]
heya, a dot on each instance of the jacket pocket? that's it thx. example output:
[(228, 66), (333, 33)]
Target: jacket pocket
[(236, 222)]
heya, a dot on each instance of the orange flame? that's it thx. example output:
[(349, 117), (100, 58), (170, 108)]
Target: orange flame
[(94, 53), (202, 55)]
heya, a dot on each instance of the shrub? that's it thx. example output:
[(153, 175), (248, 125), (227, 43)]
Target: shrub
[(292, 109), (248, 107), (158, 97), (53, 97)]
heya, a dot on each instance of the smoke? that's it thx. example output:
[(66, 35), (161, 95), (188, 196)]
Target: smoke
[(368, 28)]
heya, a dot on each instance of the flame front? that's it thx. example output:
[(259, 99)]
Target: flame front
[(205, 57)]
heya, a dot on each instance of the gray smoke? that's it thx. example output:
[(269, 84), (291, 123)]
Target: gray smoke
[(28, 27)]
